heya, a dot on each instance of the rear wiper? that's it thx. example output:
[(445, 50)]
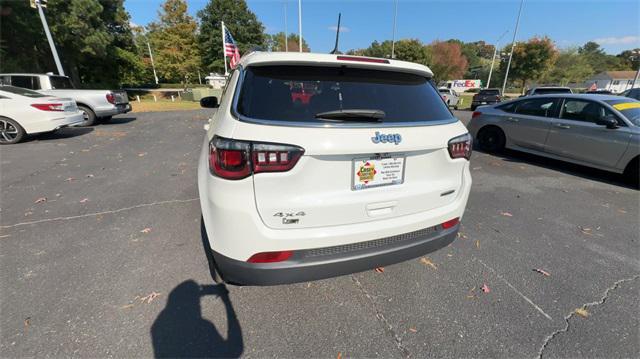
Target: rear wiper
[(352, 115)]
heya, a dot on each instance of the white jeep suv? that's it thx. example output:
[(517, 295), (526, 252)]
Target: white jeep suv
[(365, 168)]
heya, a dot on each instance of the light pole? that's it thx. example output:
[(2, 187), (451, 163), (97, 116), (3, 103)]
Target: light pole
[(393, 39), (513, 44), (286, 44), (49, 38), (493, 59), (636, 55), (300, 25)]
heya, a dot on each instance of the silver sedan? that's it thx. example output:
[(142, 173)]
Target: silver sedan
[(593, 130)]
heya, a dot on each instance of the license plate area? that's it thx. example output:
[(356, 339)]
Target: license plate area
[(377, 171)]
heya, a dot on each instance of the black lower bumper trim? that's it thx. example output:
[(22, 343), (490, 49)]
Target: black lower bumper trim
[(303, 267)]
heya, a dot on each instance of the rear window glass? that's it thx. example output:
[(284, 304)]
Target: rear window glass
[(552, 90), (272, 93), (60, 82), (28, 82), (490, 92), (629, 108), (21, 91), (444, 90)]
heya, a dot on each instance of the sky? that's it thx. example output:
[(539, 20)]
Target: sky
[(614, 24)]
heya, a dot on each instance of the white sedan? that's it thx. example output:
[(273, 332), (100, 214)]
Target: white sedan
[(25, 112)]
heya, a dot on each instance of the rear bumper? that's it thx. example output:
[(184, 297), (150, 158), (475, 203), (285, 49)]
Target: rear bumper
[(320, 263), (113, 110)]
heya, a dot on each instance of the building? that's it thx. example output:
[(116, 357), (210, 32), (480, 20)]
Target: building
[(614, 81)]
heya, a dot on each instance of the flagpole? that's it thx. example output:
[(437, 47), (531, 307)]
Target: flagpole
[(224, 50), (299, 25)]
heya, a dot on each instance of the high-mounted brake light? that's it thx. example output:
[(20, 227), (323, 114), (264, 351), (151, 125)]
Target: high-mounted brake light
[(460, 147), (111, 98), (49, 106), (363, 59), (231, 159), (270, 257)]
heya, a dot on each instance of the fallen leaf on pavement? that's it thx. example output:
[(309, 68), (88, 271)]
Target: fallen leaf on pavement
[(41, 200), (127, 306), (380, 269), (485, 288), (149, 298), (84, 200), (339, 355), (142, 154), (90, 175), (585, 230), (478, 243), (543, 272), (27, 322), (622, 211), (70, 179), (413, 330), (581, 312), (146, 230), (427, 262), (506, 214)]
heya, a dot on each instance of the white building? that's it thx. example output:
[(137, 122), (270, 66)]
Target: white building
[(216, 81), (614, 81)]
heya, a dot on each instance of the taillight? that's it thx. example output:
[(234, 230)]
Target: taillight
[(48, 106), (231, 159), (111, 98), (476, 114), (460, 147), (270, 257), (450, 223)]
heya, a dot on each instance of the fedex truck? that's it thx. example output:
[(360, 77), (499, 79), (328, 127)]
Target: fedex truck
[(463, 85)]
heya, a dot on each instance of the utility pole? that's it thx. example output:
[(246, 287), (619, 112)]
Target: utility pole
[(286, 44), (393, 39), (300, 25), (493, 59), (39, 4), (635, 79), (513, 44)]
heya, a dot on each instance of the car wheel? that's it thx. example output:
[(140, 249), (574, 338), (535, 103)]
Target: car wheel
[(491, 139), (213, 269), (10, 131), (88, 115), (632, 172)]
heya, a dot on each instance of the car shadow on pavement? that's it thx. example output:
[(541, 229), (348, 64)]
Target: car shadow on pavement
[(118, 121), (60, 134), (564, 167), (180, 331)]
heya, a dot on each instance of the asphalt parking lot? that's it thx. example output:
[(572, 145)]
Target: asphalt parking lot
[(100, 255)]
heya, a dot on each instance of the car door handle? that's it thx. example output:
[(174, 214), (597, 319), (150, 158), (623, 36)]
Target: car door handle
[(511, 119), (559, 125)]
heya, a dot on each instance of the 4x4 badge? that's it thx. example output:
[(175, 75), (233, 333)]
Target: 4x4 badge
[(382, 138)]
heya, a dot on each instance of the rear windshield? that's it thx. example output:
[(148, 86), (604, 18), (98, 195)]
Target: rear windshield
[(60, 82), (268, 93), (444, 90), (552, 90), (21, 91), (490, 92), (629, 108)]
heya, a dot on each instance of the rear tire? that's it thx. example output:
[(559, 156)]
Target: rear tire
[(10, 131), (491, 139), (632, 172), (88, 115), (213, 269)]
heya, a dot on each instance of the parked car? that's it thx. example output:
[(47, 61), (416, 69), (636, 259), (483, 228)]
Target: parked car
[(599, 92), (374, 170), (94, 104), (450, 97), (632, 93), (546, 90), (593, 130), (486, 97), (25, 112)]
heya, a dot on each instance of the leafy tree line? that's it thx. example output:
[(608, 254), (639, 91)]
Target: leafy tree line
[(99, 47)]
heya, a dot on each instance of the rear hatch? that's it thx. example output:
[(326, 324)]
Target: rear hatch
[(358, 164), (487, 96), (120, 97)]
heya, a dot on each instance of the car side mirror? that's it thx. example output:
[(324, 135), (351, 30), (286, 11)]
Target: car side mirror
[(609, 121), (209, 102)]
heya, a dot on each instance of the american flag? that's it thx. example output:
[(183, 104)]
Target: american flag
[(230, 48)]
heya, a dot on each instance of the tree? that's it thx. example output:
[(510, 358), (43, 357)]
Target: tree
[(630, 58), (447, 61), (173, 39), (247, 31), (598, 59), (531, 59), (406, 50), (275, 42), (569, 67)]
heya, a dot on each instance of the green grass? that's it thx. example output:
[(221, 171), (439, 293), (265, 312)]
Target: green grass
[(151, 106)]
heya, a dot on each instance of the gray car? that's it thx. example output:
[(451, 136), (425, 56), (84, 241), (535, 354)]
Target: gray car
[(593, 130)]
